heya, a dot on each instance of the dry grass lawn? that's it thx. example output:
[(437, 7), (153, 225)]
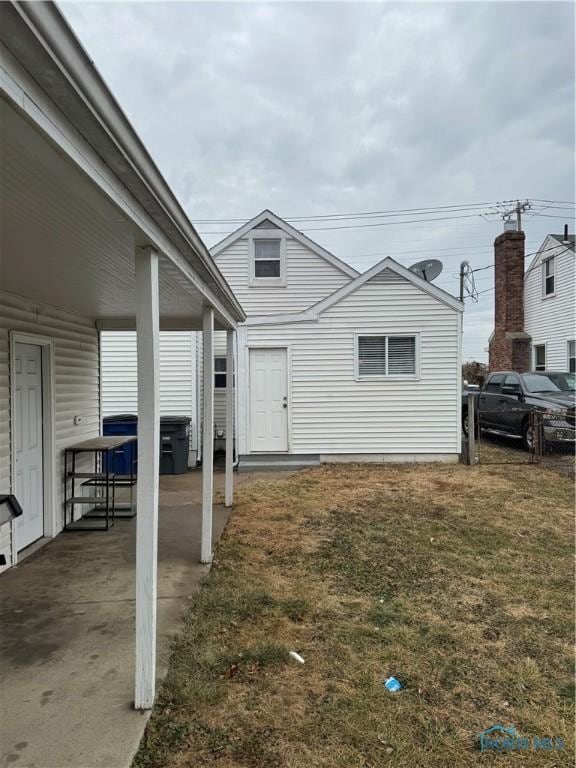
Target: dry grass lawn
[(457, 580)]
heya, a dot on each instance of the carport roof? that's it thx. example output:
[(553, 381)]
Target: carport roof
[(127, 190)]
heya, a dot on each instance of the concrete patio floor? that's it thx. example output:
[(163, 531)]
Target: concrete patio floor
[(67, 634)]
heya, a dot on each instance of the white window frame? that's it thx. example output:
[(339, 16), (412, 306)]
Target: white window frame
[(534, 357), (551, 261), (220, 373), (569, 356), (266, 234), (387, 376)]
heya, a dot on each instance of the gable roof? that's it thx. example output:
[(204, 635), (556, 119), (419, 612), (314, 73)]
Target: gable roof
[(279, 223), (569, 244), (397, 270), (386, 270), (551, 243)]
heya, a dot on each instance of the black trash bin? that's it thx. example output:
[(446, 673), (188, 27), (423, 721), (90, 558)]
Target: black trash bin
[(123, 460), (174, 442)]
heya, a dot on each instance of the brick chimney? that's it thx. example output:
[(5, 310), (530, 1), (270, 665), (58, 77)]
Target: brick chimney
[(509, 348)]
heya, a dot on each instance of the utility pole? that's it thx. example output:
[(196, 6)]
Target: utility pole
[(463, 270), (518, 210)]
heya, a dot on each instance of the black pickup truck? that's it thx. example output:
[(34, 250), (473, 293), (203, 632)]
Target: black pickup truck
[(506, 399)]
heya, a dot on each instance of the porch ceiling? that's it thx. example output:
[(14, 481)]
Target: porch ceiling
[(62, 242)]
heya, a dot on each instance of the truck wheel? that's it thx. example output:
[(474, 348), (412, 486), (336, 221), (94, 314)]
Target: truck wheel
[(528, 436), (465, 422)]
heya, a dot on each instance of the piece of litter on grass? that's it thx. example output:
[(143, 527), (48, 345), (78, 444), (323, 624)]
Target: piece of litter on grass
[(296, 657), (392, 684)]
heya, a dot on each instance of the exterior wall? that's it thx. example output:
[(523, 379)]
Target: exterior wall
[(507, 353), (76, 385), (309, 278), (551, 320), (332, 413), (177, 375), (219, 426), (219, 395)]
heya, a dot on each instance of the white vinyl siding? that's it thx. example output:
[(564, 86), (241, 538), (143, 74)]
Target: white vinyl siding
[(551, 320), (309, 278), (76, 384), (177, 374), (220, 394), (331, 411), (219, 426)]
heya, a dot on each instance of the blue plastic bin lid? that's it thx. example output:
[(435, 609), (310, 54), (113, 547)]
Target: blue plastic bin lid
[(120, 417)]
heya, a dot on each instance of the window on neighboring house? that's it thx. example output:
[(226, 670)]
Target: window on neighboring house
[(572, 356), (386, 356), (539, 357), (267, 258), (219, 373), (548, 276)]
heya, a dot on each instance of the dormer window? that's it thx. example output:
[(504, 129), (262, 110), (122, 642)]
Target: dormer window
[(267, 258), (548, 275)]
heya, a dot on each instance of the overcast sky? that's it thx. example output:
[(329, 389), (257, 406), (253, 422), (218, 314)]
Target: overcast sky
[(320, 108)]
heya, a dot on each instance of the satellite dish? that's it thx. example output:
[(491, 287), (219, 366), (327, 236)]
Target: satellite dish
[(428, 269)]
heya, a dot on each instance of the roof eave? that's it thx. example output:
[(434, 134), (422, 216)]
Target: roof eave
[(42, 40)]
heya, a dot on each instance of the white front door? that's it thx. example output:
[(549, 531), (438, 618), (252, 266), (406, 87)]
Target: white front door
[(27, 436), (268, 400)]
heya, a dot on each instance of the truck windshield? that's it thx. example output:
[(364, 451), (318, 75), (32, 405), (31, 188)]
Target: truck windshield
[(549, 382)]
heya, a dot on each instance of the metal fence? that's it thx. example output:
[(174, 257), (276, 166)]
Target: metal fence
[(555, 440), (546, 438)]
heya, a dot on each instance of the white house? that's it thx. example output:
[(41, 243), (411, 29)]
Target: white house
[(333, 365), (92, 238), (550, 304)]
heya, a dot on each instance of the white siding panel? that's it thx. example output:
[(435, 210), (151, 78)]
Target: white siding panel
[(76, 379), (333, 413), (220, 394), (177, 375), (552, 320), (309, 278)]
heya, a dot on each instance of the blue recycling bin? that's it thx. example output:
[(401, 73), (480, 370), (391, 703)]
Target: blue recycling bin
[(123, 461)]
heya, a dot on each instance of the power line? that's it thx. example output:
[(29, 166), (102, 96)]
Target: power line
[(526, 256), (386, 212), (528, 271), (396, 212), (369, 226)]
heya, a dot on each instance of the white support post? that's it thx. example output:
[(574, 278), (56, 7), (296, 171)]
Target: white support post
[(147, 335), (207, 434), (229, 476)]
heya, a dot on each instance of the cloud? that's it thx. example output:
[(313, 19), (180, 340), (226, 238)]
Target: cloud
[(311, 108)]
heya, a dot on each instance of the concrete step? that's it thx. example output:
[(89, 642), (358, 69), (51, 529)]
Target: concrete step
[(277, 462)]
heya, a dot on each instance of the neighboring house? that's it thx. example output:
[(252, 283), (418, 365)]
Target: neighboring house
[(550, 305), (333, 365), (535, 306), (92, 238), (177, 388)]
